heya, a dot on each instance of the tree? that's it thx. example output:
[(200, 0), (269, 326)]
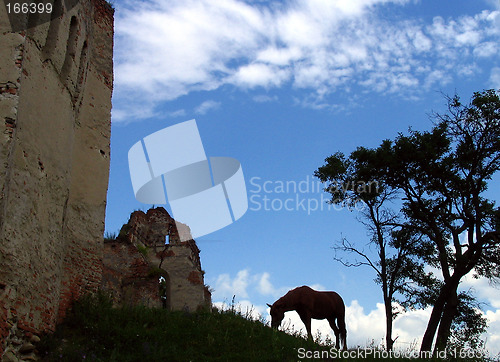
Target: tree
[(346, 184), (442, 175)]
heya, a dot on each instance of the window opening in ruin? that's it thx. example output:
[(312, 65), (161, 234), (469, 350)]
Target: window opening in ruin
[(163, 291), (53, 33), (70, 48), (81, 74), (167, 239)]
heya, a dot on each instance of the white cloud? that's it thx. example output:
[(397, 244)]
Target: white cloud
[(262, 98), (318, 45), (495, 78), (227, 288), (367, 328), (181, 45), (493, 334), (486, 49), (409, 327), (207, 106), (277, 56), (177, 113), (264, 285), (420, 41), (259, 74), (244, 283), (131, 112), (483, 289)]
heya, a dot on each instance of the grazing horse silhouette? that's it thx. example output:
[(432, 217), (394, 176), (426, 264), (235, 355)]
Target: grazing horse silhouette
[(309, 304)]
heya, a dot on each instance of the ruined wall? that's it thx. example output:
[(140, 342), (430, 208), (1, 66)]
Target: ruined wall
[(127, 275), (55, 102), (149, 247)]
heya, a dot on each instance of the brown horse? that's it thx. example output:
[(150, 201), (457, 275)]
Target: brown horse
[(309, 304)]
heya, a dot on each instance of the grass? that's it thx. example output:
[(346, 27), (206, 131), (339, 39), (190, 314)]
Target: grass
[(95, 331), (109, 236)]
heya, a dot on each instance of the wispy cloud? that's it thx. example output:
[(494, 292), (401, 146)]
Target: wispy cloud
[(207, 106), (245, 283), (495, 77), (262, 98), (225, 287), (318, 46)]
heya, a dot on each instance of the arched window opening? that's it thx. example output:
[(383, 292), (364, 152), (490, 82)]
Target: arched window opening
[(70, 48), (82, 72), (53, 33), (164, 292)]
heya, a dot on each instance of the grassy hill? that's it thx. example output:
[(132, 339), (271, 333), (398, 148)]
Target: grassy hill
[(97, 332)]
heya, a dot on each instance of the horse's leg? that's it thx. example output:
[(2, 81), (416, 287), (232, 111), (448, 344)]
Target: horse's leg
[(306, 319), (335, 331), (343, 330)]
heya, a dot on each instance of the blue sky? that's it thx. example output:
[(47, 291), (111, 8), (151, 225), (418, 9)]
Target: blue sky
[(280, 85)]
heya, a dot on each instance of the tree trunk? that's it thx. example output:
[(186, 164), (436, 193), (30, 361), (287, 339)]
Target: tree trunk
[(388, 324), (447, 293), (449, 313), (433, 323)]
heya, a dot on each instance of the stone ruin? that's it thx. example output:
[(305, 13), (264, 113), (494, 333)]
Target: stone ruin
[(56, 82), (149, 248)]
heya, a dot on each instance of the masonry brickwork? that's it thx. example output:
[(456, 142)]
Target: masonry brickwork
[(147, 248), (55, 101)]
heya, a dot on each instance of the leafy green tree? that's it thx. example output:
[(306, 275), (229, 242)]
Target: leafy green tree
[(442, 176)]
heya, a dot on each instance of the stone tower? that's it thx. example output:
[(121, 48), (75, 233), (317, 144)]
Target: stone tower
[(56, 81)]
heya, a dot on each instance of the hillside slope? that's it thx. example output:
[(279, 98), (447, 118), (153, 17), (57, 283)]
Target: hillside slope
[(95, 331)]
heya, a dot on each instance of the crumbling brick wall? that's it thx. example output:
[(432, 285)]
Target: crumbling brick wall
[(55, 102), (149, 247), (127, 276)]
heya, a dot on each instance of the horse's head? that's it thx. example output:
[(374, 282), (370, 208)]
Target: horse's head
[(277, 314)]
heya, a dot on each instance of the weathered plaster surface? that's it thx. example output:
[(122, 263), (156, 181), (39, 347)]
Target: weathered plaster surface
[(55, 102)]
